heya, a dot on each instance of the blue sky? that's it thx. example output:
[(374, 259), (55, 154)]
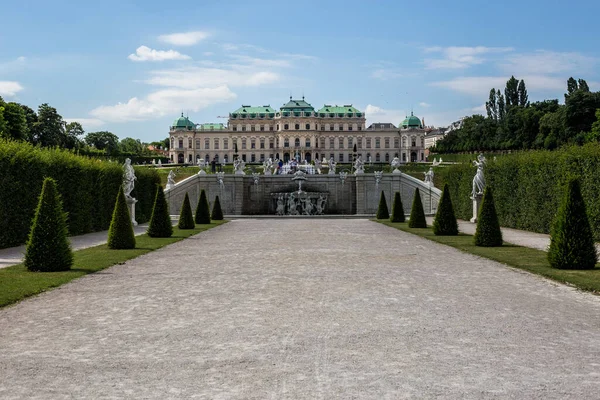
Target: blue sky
[(131, 67)]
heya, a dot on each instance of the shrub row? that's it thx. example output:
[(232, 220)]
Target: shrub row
[(88, 189), (528, 186)]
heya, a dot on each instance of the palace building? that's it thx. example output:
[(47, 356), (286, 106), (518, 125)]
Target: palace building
[(296, 129)]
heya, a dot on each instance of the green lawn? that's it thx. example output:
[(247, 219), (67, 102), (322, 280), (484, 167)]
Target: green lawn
[(532, 260), (17, 283)]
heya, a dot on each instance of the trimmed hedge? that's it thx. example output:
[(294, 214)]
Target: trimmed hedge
[(488, 233), (382, 210), (87, 188), (186, 218), (417, 214), (48, 248), (120, 233), (445, 221), (397, 209), (160, 221), (528, 186), (217, 212), (202, 209), (571, 242)]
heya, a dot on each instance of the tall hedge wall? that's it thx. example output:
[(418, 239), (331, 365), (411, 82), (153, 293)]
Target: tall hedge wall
[(88, 188), (528, 186)]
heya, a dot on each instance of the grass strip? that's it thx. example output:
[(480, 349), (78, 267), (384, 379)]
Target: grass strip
[(17, 283), (525, 258)]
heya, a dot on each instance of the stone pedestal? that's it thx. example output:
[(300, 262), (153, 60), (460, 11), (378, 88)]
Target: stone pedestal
[(201, 172), (476, 206), (396, 171), (131, 205), (239, 172), (359, 171)]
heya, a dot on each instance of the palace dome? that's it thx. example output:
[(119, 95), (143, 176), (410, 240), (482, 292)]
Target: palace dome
[(183, 123), (411, 122)]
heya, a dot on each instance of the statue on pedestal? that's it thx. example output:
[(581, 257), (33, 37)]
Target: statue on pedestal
[(395, 164), (331, 163), (238, 166), (171, 179), (359, 166), (317, 166), (478, 180), (128, 178), (429, 176)]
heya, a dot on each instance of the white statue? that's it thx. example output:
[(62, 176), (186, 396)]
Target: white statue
[(292, 205), (128, 178), (321, 204), (280, 205), (332, 166), (359, 166), (238, 166), (159, 162), (308, 206), (171, 179), (200, 163), (478, 180), (318, 166), (395, 164), (429, 176), (267, 166)]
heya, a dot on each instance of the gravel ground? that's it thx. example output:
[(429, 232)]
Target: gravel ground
[(304, 309)]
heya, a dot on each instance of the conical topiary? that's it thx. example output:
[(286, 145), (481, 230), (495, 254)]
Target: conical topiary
[(571, 240), (382, 210), (186, 219), (488, 233), (417, 214), (217, 213), (445, 220), (120, 233), (202, 210), (48, 248), (397, 209), (160, 221)]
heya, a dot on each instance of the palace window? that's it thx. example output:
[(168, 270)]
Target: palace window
[(253, 158), (359, 143), (286, 126), (262, 157), (207, 157), (377, 157), (297, 126), (404, 141), (360, 127), (387, 157), (271, 143), (243, 143), (271, 127), (235, 128), (252, 143), (350, 142), (307, 143), (331, 155), (377, 143), (180, 143), (297, 142), (341, 157), (252, 128), (286, 142), (368, 143), (322, 127), (387, 142), (322, 143), (206, 144), (262, 143), (330, 127), (198, 143), (413, 142), (369, 157), (225, 144), (216, 144), (396, 142), (189, 143), (262, 128), (244, 128), (349, 127), (340, 127), (307, 126), (331, 143)]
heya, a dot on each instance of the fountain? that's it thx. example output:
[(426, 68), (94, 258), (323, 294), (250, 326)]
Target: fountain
[(299, 202)]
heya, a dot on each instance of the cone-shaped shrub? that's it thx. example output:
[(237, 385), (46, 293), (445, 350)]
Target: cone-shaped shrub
[(571, 240), (397, 209), (417, 214), (48, 248), (382, 210), (488, 233), (120, 233), (160, 221), (202, 209), (186, 218), (445, 220), (217, 213)]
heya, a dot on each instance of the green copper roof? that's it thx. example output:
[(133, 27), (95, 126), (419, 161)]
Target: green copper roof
[(254, 112), (297, 105), (411, 122), (339, 111), (211, 127), (183, 122)]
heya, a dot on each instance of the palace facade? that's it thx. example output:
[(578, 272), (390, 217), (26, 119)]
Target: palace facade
[(296, 130)]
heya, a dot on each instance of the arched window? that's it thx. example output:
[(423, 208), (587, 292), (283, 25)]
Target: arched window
[(297, 126), (286, 126), (297, 142), (286, 142), (377, 157), (207, 158), (180, 143), (307, 126), (387, 157)]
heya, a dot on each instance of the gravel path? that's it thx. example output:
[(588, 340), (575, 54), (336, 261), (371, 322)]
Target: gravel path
[(304, 309)]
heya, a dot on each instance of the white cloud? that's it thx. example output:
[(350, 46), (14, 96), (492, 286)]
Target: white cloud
[(456, 57), (548, 62), (259, 62), (86, 123), (10, 88), (479, 109), (184, 38), (208, 77), (424, 105), (144, 53), (377, 114), (163, 102), (480, 85)]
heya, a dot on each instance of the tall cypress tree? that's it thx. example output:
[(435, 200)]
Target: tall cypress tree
[(571, 240), (202, 209), (382, 210), (186, 219), (523, 97), (48, 248), (217, 213), (417, 214), (445, 220), (488, 233), (397, 209), (120, 232), (160, 221)]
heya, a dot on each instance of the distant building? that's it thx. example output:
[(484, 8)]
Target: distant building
[(296, 130)]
